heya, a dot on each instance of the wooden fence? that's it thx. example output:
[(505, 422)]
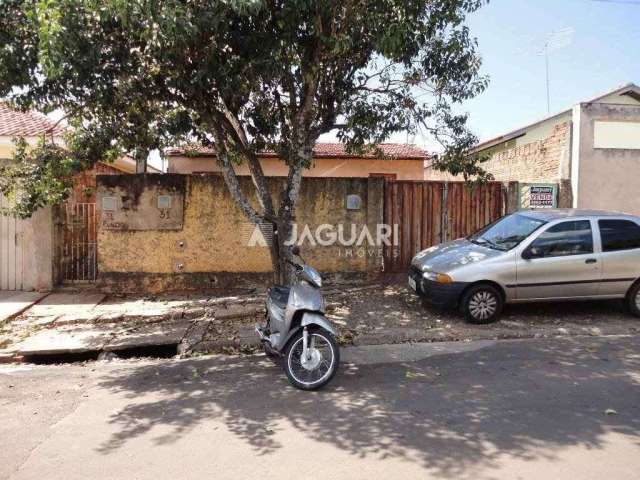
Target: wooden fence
[(427, 213)]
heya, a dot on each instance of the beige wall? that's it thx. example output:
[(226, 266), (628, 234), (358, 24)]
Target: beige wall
[(323, 167), (605, 178), (7, 145), (212, 240), (27, 250), (6, 150)]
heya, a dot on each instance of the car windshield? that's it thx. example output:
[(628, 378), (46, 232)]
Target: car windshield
[(507, 232)]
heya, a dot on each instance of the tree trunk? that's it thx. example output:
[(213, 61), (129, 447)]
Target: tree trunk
[(141, 156), (279, 249)]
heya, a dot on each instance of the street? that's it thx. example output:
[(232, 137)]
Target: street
[(538, 408)]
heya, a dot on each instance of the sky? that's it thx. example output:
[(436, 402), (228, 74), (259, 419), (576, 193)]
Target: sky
[(600, 54)]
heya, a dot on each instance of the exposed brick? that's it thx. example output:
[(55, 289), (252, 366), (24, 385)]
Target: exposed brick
[(537, 161)]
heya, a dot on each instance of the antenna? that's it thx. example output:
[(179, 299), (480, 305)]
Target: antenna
[(554, 41)]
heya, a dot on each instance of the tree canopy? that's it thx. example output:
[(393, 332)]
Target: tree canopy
[(242, 76)]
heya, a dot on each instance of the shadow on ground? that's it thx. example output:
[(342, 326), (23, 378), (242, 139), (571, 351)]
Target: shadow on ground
[(452, 414)]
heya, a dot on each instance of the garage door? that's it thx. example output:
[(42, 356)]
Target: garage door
[(11, 251)]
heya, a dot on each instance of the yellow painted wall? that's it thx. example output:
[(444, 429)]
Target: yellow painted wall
[(212, 240), (6, 151), (323, 167)]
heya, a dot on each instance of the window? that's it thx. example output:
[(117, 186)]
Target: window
[(564, 239), (507, 232), (619, 235)]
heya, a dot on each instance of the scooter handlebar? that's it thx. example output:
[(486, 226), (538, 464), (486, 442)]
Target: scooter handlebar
[(294, 264)]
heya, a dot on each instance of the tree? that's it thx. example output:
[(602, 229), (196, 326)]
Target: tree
[(242, 76)]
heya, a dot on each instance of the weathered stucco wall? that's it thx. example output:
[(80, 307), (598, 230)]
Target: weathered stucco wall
[(404, 169), (210, 249), (605, 178)]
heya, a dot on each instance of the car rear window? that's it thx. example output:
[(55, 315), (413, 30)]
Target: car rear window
[(619, 235)]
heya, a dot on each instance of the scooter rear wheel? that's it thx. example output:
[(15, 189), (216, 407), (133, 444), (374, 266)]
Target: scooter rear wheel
[(318, 370)]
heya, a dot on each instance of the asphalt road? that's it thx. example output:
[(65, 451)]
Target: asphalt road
[(549, 408)]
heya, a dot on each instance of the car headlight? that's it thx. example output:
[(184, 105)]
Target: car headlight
[(437, 277)]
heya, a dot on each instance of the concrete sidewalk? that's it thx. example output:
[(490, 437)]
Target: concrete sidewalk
[(13, 303), (85, 322), (81, 322)]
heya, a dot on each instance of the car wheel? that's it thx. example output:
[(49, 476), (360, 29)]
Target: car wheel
[(482, 304), (633, 299)]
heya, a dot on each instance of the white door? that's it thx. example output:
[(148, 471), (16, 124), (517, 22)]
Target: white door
[(11, 251)]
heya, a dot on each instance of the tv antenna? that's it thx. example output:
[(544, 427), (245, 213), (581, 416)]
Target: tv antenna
[(554, 41)]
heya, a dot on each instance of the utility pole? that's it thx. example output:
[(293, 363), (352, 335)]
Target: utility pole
[(554, 41), (546, 62)]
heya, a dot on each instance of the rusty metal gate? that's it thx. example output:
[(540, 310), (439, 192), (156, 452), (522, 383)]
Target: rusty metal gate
[(78, 256), (427, 213)]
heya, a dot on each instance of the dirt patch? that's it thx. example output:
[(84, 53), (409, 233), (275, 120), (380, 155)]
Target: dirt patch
[(392, 313)]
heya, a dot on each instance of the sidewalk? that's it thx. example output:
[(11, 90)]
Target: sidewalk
[(80, 322), (91, 323)]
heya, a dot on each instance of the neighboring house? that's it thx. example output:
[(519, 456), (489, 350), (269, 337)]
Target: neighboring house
[(404, 162), (591, 151), (55, 243)]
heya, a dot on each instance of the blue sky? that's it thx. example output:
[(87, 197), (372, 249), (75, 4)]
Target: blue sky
[(603, 54)]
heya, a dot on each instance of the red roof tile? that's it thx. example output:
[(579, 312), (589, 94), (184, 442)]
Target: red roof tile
[(14, 123), (324, 150)]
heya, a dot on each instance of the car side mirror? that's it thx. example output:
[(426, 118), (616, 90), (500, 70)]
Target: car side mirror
[(531, 252)]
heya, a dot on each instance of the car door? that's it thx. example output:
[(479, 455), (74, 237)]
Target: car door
[(620, 240), (560, 262)]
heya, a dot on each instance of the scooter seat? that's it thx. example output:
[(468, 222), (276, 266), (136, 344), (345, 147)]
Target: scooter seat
[(279, 295)]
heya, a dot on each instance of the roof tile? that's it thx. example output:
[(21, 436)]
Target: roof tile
[(14, 123), (324, 150)]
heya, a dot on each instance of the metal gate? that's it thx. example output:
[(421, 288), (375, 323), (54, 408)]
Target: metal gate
[(78, 258), (11, 251), (428, 213)]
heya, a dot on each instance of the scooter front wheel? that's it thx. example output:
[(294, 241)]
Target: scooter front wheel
[(319, 366)]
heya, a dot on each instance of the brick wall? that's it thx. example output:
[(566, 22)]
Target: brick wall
[(536, 162), (84, 183), (541, 161)]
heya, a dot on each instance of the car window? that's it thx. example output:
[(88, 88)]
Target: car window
[(566, 238), (619, 235), (507, 232)]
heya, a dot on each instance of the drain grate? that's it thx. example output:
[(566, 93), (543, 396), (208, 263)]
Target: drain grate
[(147, 351)]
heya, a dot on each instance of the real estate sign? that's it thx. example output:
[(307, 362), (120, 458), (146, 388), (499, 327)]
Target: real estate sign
[(538, 195)]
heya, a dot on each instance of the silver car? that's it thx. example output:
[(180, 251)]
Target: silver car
[(532, 256)]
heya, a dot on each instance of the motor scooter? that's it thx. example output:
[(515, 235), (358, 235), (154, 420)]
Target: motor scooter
[(297, 330)]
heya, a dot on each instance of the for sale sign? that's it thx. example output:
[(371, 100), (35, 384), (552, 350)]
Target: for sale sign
[(538, 196), (541, 197)]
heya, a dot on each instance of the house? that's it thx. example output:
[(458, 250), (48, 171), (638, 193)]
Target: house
[(588, 154), (55, 243), (403, 162)]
